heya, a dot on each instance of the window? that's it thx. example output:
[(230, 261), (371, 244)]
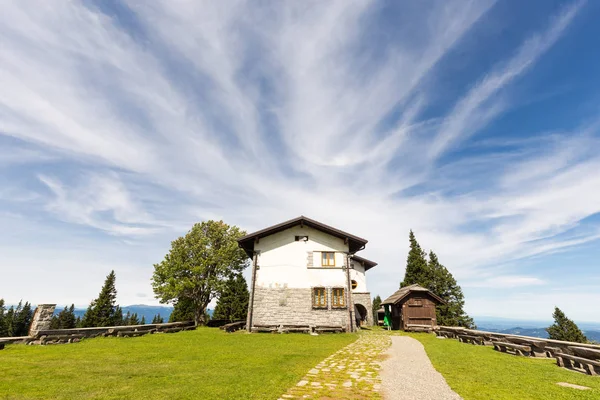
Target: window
[(319, 297), (354, 284), (328, 259), (301, 238), (337, 297)]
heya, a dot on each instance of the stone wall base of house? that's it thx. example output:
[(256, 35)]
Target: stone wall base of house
[(364, 299), (287, 306)]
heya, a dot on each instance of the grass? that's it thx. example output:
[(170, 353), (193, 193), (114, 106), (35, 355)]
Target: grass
[(202, 364), (479, 372)]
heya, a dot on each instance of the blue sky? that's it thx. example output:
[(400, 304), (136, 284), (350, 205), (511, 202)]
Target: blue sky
[(474, 123)]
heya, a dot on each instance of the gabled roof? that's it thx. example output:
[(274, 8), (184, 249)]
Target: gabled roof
[(367, 263), (405, 291), (355, 243)]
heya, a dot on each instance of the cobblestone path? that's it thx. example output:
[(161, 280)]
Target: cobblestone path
[(349, 373)]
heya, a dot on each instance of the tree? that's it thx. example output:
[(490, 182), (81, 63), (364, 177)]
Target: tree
[(376, 306), (158, 319), (19, 319), (198, 265), (65, 319), (143, 321), (3, 322), (445, 286), (233, 301), (104, 310), (182, 311), (134, 320), (565, 329), (417, 269)]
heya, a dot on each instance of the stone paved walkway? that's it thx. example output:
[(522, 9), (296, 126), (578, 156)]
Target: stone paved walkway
[(350, 373)]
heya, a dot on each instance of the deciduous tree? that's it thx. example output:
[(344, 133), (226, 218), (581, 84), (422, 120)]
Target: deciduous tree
[(233, 301), (198, 265), (564, 328)]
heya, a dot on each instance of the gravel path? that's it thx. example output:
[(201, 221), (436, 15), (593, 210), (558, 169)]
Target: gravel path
[(407, 373)]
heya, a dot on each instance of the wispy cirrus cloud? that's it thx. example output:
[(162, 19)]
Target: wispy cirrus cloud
[(155, 115)]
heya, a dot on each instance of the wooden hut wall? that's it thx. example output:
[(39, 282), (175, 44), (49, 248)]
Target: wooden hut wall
[(418, 309)]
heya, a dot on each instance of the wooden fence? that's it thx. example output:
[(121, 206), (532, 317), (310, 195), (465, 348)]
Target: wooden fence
[(582, 357), (57, 336)]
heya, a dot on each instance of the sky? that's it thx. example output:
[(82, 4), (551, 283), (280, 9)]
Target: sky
[(474, 123)]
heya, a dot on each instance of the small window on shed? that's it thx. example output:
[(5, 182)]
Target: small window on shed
[(319, 298)]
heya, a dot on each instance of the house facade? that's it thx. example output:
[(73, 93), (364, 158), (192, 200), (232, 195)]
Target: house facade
[(307, 273)]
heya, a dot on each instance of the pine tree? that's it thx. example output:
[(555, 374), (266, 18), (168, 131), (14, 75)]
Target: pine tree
[(143, 321), (158, 319), (134, 320), (65, 319), (126, 319), (19, 319), (376, 306), (3, 322), (445, 286), (54, 322), (417, 269), (9, 320), (182, 311), (233, 302), (78, 322), (103, 311), (565, 329)]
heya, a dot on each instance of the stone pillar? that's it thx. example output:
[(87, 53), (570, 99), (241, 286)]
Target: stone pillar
[(41, 318)]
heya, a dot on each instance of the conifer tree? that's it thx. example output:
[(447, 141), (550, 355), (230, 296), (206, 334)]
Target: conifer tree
[(233, 302), (376, 306), (445, 286), (417, 269), (182, 311), (3, 322), (19, 319), (78, 322), (103, 311), (65, 319), (158, 319), (134, 320), (565, 329), (143, 321)]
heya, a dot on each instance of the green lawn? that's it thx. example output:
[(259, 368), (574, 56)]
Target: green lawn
[(478, 372), (202, 364)]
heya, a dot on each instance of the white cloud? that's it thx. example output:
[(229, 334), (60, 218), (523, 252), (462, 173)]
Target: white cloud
[(256, 114)]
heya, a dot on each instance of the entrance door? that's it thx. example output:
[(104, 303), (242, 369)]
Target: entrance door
[(361, 315)]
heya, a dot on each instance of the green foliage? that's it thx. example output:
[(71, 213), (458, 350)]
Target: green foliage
[(65, 319), (104, 310), (158, 319), (3, 321), (233, 301), (17, 320), (417, 269), (134, 319), (182, 311), (376, 306), (198, 265), (432, 275), (203, 364), (143, 320), (564, 328), (480, 373), (445, 286)]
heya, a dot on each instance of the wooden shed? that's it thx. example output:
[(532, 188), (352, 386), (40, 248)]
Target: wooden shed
[(413, 308)]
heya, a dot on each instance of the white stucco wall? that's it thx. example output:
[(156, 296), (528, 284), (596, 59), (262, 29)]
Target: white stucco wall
[(358, 274), (283, 262)]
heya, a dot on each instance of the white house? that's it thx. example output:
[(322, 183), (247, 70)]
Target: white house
[(306, 273)]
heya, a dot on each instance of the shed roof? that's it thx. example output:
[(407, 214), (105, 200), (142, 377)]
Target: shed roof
[(405, 291), (355, 243)]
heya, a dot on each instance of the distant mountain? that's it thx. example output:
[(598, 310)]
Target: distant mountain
[(593, 335)]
